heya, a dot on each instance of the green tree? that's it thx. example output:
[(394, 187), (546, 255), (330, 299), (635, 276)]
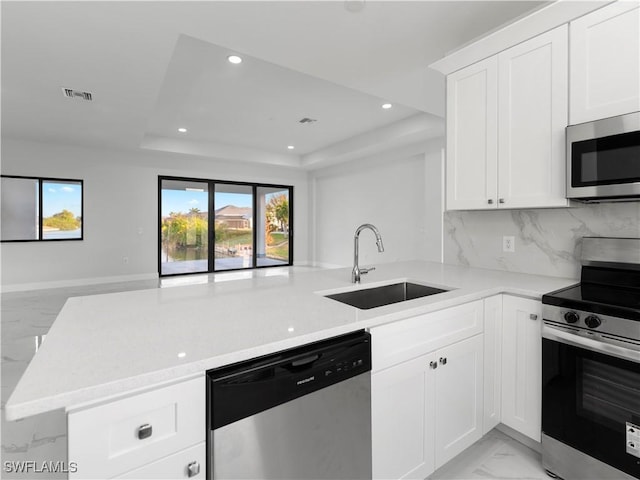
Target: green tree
[(64, 220), (278, 211)]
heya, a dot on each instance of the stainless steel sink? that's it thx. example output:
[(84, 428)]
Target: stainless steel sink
[(367, 298)]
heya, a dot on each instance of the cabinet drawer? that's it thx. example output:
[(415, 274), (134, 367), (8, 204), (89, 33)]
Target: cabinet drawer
[(174, 466), (116, 437), (410, 338)]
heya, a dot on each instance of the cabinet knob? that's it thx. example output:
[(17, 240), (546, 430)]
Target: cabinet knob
[(193, 469), (443, 361), (433, 365), (490, 201), (144, 431), (501, 200), (533, 316)]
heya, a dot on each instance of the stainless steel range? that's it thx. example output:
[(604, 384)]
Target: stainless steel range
[(591, 367)]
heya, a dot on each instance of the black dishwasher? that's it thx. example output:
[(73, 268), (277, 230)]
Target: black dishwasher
[(303, 413)]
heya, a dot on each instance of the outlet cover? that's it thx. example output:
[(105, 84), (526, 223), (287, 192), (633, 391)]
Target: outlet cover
[(509, 244)]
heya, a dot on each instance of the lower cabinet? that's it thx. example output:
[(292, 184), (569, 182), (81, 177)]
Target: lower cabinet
[(492, 363), (154, 434), (522, 365), (427, 410)]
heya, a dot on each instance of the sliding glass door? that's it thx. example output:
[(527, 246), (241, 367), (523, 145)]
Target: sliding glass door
[(213, 225), (184, 242), (273, 239), (234, 226)]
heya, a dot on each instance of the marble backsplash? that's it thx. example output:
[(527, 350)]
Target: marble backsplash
[(547, 241)]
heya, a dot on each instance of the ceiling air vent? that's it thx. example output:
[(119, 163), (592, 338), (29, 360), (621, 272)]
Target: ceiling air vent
[(70, 93), (307, 120)]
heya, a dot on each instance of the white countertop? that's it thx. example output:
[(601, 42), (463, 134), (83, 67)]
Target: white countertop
[(105, 346)]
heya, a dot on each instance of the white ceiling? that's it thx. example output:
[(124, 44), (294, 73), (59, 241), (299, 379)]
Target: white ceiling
[(155, 66)]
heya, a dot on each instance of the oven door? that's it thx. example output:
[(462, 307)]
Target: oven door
[(591, 397)]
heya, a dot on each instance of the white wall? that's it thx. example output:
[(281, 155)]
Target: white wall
[(399, 192), (120, 210)]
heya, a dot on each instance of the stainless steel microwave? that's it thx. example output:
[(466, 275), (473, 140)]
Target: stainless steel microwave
[(603, 159)]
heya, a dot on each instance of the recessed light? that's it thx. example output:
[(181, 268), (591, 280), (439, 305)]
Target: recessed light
[(290, 147), (235, 59), (182, 130), (386, 106)]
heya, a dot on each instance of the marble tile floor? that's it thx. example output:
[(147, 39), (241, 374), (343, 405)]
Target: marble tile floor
[(495, 456), (26, 318)]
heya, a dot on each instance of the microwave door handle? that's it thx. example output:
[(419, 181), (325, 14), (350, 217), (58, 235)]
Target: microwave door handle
[(552, 333)]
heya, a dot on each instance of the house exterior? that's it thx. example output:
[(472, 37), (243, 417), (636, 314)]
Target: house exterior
[(234, 217)]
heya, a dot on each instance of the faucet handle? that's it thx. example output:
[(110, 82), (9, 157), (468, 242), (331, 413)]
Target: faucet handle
[(366, 270)]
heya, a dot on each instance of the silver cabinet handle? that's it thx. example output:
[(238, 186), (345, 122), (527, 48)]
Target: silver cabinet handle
[(533, 316), (501, 200), (193, 469), (490, 201), (443, 361), (144, 431), (433, 365)]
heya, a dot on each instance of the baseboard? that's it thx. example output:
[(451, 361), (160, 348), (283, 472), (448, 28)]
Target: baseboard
[(519, 437), (22, 287)]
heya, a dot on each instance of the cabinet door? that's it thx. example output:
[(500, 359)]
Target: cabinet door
[(532, 116), (492, 362), (522, 365), (458, 407), (471, 166), (605, 62), (402, 420)]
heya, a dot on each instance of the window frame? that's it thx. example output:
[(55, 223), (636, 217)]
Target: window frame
[(40, 216), (211, 184)]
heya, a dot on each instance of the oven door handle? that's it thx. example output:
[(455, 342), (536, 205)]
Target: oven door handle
[(558, 335)]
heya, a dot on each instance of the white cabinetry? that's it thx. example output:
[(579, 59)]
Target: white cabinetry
[(492, 362), (521, 365), (472, 136), (506, 117), (458, 398), (402, 405), (189, 463), (161, 430), (605, 62), (427, 407)]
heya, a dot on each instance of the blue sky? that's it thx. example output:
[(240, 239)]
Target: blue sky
[(61, 196), (183, 201)]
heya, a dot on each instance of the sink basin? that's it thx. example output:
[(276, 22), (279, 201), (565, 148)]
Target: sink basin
[(367, 298)]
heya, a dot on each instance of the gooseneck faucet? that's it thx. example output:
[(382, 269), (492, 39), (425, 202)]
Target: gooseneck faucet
[(357, 271)]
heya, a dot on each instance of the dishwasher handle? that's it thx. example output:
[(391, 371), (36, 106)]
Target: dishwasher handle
[(304, 362)]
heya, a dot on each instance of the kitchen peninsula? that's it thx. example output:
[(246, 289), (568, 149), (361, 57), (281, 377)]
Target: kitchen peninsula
[(149, 337), (126, 351)]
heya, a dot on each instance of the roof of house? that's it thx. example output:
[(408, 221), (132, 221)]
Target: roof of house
[(233, 211)]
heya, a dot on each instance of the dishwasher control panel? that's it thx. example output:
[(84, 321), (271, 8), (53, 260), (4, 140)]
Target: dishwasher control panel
[(241, 389)]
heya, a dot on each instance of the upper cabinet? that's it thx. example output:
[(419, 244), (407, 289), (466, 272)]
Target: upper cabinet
[(605, 62), (472, 136), (506, 117)]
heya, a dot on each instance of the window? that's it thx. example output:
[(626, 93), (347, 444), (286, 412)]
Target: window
[(212, 226), (35, 209)]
